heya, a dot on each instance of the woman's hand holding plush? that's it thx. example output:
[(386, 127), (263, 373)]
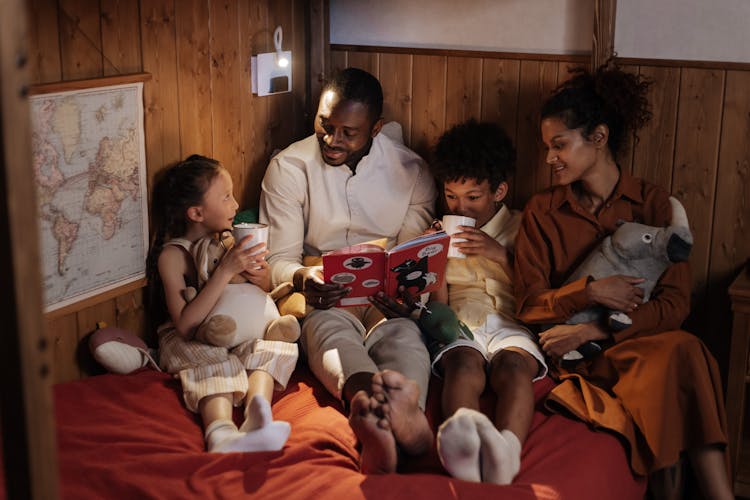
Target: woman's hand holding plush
[(561, 339), (618, 292)]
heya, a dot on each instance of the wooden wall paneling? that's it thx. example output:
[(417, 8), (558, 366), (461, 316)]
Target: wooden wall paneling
[(87, 321), (537, 80), (395, 78), (121, 37), (320, 53), (160, 94), (339, 60), (463, 90), (44, 42), (256, 136), (730, 246), (194, 77), (428, 102), (368, 61), (80, 39), (64, 339), (625, 158), (653, 155), (223, 27), (500, 93), (26, 403), (695, 167), (130, 313), (302, 119), (281, 106), (500, 101)]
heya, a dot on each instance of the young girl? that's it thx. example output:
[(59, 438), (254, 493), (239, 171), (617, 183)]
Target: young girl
[(192, 200), (654, 384)]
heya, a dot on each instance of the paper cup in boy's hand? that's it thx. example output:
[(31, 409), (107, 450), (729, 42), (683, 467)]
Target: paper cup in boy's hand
[(259, 232), (450, 226)]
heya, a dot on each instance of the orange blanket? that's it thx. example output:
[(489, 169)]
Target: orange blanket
[(129, 436)]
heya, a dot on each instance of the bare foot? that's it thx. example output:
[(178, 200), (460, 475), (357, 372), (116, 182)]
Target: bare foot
[(378, 445), (398, 398)]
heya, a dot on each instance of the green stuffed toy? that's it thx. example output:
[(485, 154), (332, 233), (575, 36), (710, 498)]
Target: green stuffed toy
[(440, 323)]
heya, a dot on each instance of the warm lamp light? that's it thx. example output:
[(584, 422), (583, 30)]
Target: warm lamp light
[(281, 59), (271, 73)]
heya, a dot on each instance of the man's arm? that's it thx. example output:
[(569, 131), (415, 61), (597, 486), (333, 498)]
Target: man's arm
[(421, 209), (282, 198)]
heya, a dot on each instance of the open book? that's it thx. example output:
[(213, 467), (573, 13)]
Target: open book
[(417, 264)]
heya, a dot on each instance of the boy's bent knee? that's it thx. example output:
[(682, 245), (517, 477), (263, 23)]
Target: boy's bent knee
[(512, 363), (464, 360)]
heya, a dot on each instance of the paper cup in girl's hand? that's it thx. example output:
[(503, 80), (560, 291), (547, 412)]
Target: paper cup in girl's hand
[(450, 226), (259, 232)]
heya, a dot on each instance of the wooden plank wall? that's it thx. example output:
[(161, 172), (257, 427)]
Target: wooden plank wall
[(696, 146), (198, 101)]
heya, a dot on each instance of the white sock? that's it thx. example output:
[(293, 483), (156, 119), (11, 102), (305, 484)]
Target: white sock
[(220, 432), (500, 453), (458, 446), (222, 436), (257, 414)]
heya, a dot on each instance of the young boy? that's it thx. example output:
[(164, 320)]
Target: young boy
[(472, 162)]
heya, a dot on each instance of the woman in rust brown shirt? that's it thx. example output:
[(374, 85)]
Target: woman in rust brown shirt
[(654, 384)]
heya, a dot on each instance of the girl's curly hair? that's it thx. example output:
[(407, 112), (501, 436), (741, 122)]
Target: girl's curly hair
[(608, 96)]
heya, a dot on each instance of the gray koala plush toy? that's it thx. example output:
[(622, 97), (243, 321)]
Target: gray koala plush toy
[(634, 250)]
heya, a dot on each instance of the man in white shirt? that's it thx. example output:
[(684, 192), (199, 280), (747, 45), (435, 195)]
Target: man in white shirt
[(347, 184)]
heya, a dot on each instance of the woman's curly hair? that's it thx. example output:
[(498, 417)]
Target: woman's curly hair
[(474, 150), (608, 96)]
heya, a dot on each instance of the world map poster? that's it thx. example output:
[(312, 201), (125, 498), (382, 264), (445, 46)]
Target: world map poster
[(89, 165)]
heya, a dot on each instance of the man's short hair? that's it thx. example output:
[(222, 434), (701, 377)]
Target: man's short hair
[(474, 150), (354, 84)]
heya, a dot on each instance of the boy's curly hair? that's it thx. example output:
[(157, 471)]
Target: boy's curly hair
[(474, 150)]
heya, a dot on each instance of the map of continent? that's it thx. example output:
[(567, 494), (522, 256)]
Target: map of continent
[(89, 167)]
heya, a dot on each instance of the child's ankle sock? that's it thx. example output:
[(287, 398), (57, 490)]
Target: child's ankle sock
[(222, 436), (219, 434), (458, 446), (500, 452), (270, 437), (257, 414)]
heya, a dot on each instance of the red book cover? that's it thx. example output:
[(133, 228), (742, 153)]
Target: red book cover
[(418, 264)]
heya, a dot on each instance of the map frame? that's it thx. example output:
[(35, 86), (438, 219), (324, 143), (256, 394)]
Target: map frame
[(78, 88)]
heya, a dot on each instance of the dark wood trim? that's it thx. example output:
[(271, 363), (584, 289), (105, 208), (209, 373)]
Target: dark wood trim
[(526, 56), (320, 52), (48, 88), (97, 299), (604, 32), (577, 58), (678, 63), (26, 406)]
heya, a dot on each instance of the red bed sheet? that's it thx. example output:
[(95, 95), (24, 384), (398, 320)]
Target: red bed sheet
[(129, 436)]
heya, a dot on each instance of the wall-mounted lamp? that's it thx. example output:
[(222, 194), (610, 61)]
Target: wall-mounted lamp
[(271, 73)]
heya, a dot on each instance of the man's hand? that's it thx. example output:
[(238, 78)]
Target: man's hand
[(392, 308), (320, 295)]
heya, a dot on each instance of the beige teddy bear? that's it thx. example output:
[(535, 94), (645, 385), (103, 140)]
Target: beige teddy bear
[(244, 311)]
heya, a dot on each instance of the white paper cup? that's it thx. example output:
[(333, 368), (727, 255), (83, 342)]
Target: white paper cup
[(450, 226), (259, 232)]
